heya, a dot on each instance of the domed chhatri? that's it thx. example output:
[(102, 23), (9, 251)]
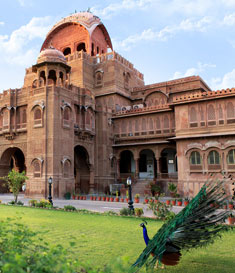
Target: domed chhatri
[(79, 31), (51, 54)]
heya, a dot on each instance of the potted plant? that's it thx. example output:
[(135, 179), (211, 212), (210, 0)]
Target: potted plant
[(186, 201), (225, 206), (117, 198), (230, 204), (104, 198), (94, 198), (231, 219), (122, 199), (146, 199), (173, 202), (77, 197), (84, 197), (137, 198), (91, 197), (73, 195), (99, 198), (139, 212), (107, 198), (172, 189), (111, 199), (127, 196), (155, 189), (179, 202), (168, 202)]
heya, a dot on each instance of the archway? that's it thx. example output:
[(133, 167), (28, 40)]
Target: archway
[(12, 158), (81, 46), (168, 162), (81, 169), (127, 163), (147, 164)]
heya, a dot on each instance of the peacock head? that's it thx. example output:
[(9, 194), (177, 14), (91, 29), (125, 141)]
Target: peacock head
[(143, 224)]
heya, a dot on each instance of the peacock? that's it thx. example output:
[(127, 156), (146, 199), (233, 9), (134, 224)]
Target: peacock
[(197, 225)]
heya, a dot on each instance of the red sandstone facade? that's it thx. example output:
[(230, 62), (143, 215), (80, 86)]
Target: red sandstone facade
[(85, 118)]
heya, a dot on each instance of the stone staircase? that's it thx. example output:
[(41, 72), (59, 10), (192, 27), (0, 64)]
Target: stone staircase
[(141, 187)]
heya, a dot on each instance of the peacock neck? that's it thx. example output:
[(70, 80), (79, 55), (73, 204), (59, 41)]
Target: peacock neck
[(145, 234)]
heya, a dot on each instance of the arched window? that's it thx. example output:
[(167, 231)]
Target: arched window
[(123, 126), (166, 122), (150, 124), (37, 116), (231, 157), (67, 51), (6, 117), (158, 124), (66, 116), (99, 78), (66, 169), (81, 47), (130, 127), (230, 110), (143, 124), (24, 116), (36, 168), (195, 158), (136, 125), (213, 158), (193, 115), (211, 115), (52, 77)]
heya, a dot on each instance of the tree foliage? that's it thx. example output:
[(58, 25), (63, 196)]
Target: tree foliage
[(14, 180)]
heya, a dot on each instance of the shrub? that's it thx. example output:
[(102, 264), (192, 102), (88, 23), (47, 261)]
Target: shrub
[(20, 203), (69, 208), (110, 212), (139, 212), (67, 195), (20, 252), (32, 203), (160, 209), (126, 212), (11, 202)]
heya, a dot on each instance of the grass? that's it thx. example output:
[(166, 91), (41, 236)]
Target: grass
[(101, 239)]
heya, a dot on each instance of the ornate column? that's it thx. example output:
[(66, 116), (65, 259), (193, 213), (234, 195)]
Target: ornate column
[(92, 180), (118, 168), (136, 167), (158, 167)]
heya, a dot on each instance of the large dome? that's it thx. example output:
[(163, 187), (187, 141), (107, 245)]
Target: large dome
[(78, 31), (51, 55)]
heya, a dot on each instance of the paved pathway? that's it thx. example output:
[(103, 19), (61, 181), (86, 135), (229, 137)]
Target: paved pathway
[(98, 206)]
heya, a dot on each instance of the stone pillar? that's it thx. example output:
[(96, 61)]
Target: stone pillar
[(136, 167), (92, 180), (38, 78), (118, 168), (46, 75), (57, 82), (158, 166)]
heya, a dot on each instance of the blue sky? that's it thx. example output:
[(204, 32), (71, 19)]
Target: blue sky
[(164, 39)]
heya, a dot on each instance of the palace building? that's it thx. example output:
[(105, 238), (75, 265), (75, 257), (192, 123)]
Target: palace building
[(85, 118)]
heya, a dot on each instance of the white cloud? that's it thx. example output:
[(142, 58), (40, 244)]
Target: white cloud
[(228, 81), (229, 20), (193, 70), (14, 47), (2, 23), (115, 8), (164, 34), (24, 3)]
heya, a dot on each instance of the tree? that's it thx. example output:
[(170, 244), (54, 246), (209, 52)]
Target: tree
[(14, 180)]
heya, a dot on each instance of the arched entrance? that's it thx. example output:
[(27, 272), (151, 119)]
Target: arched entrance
[(81, 169), (147, 164), (12, 158), (127, 163), (168, 162)]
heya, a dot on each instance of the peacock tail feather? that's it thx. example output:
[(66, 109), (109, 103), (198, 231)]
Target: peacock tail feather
[(195, 226)]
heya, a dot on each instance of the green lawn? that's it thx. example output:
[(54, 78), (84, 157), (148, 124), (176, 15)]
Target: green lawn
[(100, 239)]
